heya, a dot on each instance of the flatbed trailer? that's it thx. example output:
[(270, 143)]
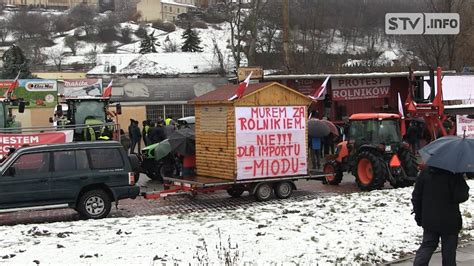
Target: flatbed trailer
[(262, 189)]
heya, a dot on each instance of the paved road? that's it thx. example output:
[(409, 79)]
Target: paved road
[(178, 204)]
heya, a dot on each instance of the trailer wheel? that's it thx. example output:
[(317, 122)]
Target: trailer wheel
[(235, 191), (263, 192), (283, 189)]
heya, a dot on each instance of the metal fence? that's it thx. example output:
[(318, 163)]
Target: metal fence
[(154, 112)]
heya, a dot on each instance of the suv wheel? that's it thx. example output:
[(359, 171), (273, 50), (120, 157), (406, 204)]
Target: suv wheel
[(94, 204)]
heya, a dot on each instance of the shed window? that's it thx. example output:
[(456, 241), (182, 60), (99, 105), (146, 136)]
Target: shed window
[(214, 119)]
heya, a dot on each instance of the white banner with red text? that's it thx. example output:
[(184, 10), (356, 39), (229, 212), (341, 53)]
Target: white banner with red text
[(270, 141), (360, 88), (8, 140), (464, 125)]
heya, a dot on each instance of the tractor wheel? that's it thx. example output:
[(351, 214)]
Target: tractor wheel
[(410, 166), (334, 169), (370, 171)]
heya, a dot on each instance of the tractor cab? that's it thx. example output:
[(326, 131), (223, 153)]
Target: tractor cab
[(89, 115), (374, 130)]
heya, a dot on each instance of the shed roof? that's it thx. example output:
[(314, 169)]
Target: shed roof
[(223, 93)]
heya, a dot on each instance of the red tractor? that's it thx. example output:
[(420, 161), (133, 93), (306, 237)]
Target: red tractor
[(374, 153)]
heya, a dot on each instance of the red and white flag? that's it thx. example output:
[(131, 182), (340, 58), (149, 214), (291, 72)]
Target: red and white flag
[(108, 90), (321, 91), (403, 128), (12, 86), (400, 107), (239, 92)]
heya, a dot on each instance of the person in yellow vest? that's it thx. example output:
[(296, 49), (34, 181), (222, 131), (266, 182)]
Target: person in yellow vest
[(169, 121), (146, 132), (170, 125)]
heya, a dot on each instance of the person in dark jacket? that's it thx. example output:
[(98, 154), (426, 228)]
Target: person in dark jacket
[(413, 136), (436, 199), (135, 136), (157, 133)]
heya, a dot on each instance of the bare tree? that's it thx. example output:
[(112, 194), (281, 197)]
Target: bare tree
[(269, 27), (57, 55), (444, 50), (252, 24), (126, 10), (220, 57), (4, 30), (83, 16), (72, 43), (36, 25), (61, 24), (235, 17)]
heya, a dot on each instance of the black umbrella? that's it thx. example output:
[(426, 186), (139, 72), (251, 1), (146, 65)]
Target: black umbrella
[(451, 153), (183, 141), (318, 129)]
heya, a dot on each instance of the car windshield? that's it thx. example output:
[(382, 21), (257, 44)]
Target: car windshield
[(375, 131)]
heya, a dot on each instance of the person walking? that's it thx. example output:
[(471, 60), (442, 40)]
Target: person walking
[(135, 136), (436, 198)]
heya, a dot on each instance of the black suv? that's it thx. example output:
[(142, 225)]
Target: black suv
[(85, 176)]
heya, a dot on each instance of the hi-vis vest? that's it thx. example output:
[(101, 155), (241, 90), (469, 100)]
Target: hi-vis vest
[(168, 121), (89, 131), (147, 130)]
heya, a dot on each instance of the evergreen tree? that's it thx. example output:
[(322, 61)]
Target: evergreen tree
[(148, 45), (191, 41), (13, 61)]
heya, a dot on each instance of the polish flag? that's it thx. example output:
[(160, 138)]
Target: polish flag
[(108, 90), (239, 92), (321, 91), (12, 86), (403, 128)]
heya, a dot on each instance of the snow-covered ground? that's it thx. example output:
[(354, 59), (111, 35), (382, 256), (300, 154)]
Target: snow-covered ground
[(348, 229)]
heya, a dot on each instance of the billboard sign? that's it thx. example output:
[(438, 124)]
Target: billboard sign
[(37, 92), (360, 88), (82, 87)]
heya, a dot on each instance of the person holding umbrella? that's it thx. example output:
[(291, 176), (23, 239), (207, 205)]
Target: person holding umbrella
[(439, 190)]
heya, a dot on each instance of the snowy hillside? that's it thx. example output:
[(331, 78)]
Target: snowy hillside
[(215, 35), (359, 228)]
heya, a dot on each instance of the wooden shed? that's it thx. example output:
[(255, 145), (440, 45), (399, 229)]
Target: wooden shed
[(262, 134)]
